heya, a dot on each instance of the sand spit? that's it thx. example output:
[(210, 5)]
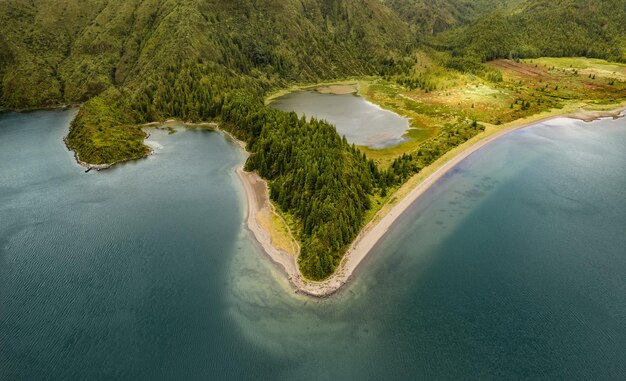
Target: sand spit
[(257, 195)]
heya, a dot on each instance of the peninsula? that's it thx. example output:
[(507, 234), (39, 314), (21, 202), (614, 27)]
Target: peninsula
[(259, 202), (458, 73)]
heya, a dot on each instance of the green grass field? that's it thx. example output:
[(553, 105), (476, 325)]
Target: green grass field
[(527, 88)]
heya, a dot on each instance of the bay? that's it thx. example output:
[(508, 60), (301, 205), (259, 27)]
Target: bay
[(511, 267)]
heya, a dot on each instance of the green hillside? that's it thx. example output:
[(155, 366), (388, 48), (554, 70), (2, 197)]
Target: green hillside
[(535, 28), (428, 17), (71, 52)]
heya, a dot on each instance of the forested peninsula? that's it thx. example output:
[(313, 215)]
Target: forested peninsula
[(129, 63)]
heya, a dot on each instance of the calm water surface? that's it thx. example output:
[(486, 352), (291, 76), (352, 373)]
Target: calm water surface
[(511, 267), (361, 122)]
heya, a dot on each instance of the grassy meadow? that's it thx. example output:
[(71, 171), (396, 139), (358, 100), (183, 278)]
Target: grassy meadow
[(523, 88)]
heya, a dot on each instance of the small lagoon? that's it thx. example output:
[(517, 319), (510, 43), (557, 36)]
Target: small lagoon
[(361, 122)]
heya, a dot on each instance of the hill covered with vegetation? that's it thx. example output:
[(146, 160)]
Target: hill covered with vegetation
[(429, 17), (535, 28), (129, 62), (70, 51)]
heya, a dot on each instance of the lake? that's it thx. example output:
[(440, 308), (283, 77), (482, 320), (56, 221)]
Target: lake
[(361, 122), (511, 267)]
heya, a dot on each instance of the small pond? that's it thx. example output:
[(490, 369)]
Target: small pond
[(361, 122)]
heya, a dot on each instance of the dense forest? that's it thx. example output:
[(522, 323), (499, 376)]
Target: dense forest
[(535, 28), (320, 179), (429, 17), (129, 62), (313, 174), (72, 50)]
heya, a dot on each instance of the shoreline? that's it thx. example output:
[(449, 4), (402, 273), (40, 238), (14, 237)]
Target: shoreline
[(101, 167), (67, 106), (258, 199), (326, 86), (257, 195), (375, 230), (168, 123)]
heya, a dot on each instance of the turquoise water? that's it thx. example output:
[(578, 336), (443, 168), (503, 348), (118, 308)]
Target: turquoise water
[(361, 122), (511, 267)]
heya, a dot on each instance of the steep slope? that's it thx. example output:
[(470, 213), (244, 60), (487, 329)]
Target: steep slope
[(35, 38), (73, 51), (435, 16), (532, 28)]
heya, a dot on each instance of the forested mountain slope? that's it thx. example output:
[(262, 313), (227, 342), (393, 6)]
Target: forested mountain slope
[(70, 51), (35, 39), (55, 52), (428, 17), (533, 28)]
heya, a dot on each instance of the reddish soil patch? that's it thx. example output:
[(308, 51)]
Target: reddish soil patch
[(523, 69), (593, 86)]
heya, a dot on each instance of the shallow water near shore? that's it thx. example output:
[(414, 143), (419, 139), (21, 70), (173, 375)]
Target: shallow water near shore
[(361, 122), (511, 267)]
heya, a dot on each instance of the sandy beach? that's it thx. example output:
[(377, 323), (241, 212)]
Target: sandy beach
[(335, 89), (258, 199), (257, 196)]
